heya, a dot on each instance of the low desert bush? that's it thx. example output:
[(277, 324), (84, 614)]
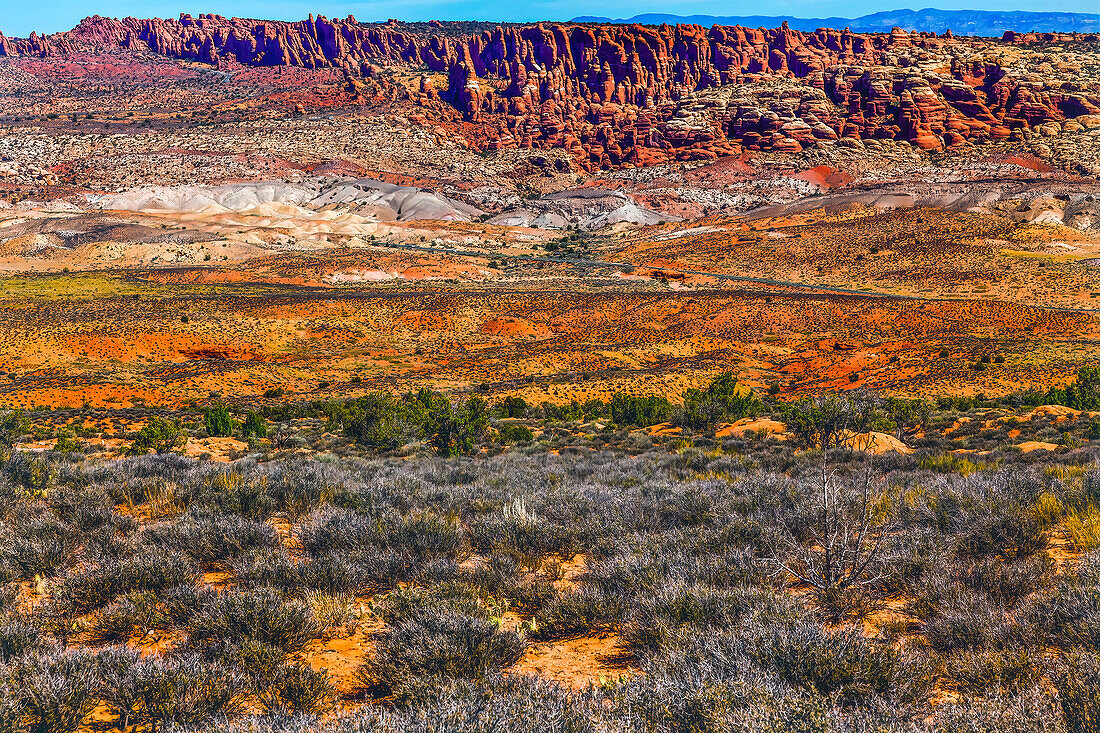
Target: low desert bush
[(256, 615), (980, 671), (89, 588), (214, 540), (652, 622), (18, 638), (581, 612), (1078, 684), (298, 689), (420, 651), (1068, 616), (37, 546), (51, 691), (419, 536), (174, 689), (843, 664)]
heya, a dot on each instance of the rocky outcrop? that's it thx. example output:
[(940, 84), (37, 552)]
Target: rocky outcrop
[(628, 94)]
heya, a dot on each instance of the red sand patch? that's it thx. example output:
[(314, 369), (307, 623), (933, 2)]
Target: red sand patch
[(575, 663)]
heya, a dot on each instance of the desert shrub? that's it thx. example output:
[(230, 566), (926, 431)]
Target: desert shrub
[(512, 406), (1092, 432), (965, 622), (1033, 711), (179, 603), (160, 435), (824, 420), (455, 429), (500, 577), (949, 463), (421, 536), (722, 400), (158, 690), (257, 662), (979, 671), (52, 691), (356, 571), (653, 621), (1068, 615), (497, 704), (233, 491), (1007, 533), (581, 612), (512, 434), (642, 573), (13, 426), (253, 426), (1008, 583), (842, 664), (67, 443), (427, 647), (377, 422), (1078, 684), (88, 508), (118, 621), (296, 497), (218, 421), (453, 597), (215, 540), (522, 536), (18, 638), (37, 546), (1081, 394), (639, 411), (116, 682), (89, 588), (297, 689), (258, 615)]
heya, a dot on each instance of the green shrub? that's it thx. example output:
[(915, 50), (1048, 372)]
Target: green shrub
[(160, 435), (640, 411), (456, 429), (511, 434), (254, 425), (218, 421)]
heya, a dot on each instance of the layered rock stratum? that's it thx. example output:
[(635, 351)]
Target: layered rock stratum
[(632, 95)]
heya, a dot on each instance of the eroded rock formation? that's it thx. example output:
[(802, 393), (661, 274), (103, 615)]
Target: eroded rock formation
[(626, 94)]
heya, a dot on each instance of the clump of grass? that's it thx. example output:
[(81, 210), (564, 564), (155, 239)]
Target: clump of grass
[(333, 609), (1048, 509), (949, 463), (1083, 528)]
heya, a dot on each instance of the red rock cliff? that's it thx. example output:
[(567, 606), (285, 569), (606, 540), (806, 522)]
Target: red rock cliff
[(615, 94)]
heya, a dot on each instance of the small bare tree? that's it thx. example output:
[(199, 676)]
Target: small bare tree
[(840, 559)]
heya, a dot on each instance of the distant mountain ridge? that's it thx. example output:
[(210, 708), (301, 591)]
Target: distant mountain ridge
[(959, 22)]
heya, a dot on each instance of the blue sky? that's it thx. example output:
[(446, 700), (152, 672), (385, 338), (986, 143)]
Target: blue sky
[(19, 17)]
